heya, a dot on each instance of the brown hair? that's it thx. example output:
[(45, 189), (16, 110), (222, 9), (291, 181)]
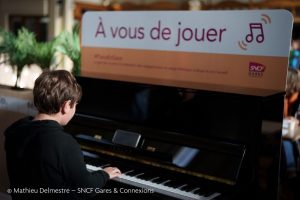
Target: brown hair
[(53, 88)]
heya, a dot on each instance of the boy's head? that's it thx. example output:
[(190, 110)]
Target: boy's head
[(52, 89)]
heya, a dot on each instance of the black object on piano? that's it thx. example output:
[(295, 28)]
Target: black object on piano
[(126, 138), (186, 144)]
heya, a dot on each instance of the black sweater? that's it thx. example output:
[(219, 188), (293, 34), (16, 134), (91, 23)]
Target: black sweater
[(40, 155)]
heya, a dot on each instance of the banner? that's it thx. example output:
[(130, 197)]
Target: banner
[(232, 51)]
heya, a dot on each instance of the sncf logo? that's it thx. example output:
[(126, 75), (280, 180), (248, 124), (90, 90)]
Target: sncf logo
[(256, 69)]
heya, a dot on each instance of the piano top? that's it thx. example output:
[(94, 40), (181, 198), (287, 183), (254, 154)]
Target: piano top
[(186, 111)]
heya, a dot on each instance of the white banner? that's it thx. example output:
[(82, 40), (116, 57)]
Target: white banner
[(247, 32)]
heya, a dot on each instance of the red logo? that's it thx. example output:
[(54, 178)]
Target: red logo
[(256, 69)]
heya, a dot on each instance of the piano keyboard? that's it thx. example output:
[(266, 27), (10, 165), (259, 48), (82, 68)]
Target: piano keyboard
[(158, 187)]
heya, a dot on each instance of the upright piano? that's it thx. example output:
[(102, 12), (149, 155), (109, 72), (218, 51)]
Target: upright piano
[(180, 143)]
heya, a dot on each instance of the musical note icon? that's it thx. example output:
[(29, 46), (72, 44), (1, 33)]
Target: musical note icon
[(260, 37)]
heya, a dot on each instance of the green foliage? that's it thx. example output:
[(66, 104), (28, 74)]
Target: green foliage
[(23, 49), (69, 44), (7, 41), (44, 54), (19, 48)]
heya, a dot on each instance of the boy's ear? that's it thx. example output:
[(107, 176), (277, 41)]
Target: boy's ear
[(66, 107)]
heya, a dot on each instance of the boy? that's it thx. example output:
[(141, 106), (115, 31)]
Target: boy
[(43, 161)]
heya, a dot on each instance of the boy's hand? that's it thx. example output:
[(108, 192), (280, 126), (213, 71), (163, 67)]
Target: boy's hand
[(112, 172)]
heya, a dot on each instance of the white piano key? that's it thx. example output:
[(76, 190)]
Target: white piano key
[(93, 168), (213, 196), (159, 188)]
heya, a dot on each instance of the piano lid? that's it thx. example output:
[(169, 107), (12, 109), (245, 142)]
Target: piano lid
[(186, 111)]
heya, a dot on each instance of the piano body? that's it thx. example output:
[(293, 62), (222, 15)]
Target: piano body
[(180, 143)]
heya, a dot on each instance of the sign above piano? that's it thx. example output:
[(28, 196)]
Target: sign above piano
[(242, 52)]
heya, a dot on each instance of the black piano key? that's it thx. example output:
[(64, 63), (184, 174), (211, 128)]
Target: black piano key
[(165, 182), (158, 180), (147, 176), (124, 169), (207, 193), (105, 165), (188, 188), (195, 190), (134, 173), (182, 187), (138, 175), (129, 172), (174, 184), (203, 192)]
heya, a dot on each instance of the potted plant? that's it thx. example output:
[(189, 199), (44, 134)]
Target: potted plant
[(69, 44), (19, 49), (23, 49), (44, 54)]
